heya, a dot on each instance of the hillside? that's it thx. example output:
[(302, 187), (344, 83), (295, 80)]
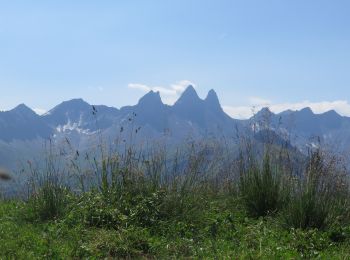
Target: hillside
[(247, 209)]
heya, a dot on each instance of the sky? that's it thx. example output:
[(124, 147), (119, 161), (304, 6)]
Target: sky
[(278, 53)]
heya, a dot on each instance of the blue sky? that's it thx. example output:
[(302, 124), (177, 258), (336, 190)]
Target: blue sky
[(281, 53)]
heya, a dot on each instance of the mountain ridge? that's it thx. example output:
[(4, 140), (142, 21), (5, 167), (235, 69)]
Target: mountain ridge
[(190, 115)]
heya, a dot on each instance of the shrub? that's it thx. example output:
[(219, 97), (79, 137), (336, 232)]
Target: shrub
[(49, 203), (319, 197), (114, 210), (261, 189), (128, 243), (309, 243), (98, 210)]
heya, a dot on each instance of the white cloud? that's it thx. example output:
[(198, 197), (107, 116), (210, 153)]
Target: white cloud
[(139, 87), (39, 111), (241, 112), (169, 94), (255, 104), (258, 101), (180, 86)]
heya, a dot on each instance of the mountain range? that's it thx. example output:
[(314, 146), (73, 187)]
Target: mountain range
[(23, 132)]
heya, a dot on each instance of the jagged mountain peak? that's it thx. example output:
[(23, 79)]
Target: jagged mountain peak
[(190, 89), (76, 104), (212, 93), (151, 98), (265, 111), (188, 96), (22, 107), (190, 92), (212, 96), (306, 110), (212, 101), (24, 110), (22, 123), (190, 116)]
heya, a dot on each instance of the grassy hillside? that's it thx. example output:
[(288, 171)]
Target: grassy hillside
[(156, 208), (210, 228)]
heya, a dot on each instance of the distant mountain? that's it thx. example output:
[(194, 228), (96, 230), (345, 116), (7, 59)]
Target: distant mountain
[(150, 111), (207, 114), (22, 130), (78, 115), (22, 123), (189, 116), (306, 128)]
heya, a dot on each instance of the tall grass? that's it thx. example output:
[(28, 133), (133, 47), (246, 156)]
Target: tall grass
[(130, 183), (320, 197), (49, 202), (129, 192), (47, 192), (262, 189), (153, 184)]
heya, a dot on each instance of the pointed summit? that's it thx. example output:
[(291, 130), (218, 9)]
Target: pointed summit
[(151, 99), (212, 96), (22, 123), (150, 111), (188, 96), (264, 114), (306, 111), (190, 90), (212, 100), (71, 111), (23, 110), (71, 106), (265, 110)]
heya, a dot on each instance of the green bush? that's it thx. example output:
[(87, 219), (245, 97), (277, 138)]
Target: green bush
[(97, 209), (262, 189), (307, 209), (117, 210), (319, 197), (48, 203), (123, 244), (309, 243)]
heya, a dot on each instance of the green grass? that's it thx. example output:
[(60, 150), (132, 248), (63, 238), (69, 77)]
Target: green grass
[(133, 211), (220, 228)]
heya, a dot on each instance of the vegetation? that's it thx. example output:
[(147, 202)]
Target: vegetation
[(195, 203)]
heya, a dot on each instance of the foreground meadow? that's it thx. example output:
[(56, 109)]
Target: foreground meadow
[(203, 206)]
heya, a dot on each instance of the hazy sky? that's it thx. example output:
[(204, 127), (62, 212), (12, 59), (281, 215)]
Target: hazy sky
[(282, 53)]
